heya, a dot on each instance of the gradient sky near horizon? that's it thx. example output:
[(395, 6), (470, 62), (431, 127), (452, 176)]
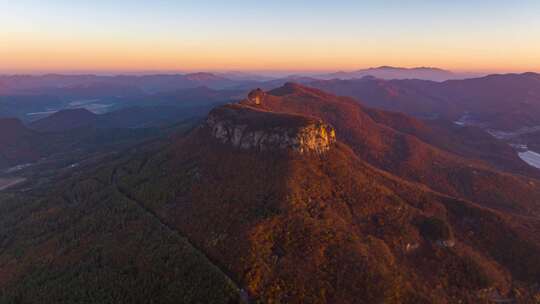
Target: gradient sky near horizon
[(294, 35)]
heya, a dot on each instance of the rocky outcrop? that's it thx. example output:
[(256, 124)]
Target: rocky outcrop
[(255, 97), (247, 127)]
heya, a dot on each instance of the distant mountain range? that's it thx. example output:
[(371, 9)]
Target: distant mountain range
[(388, 72), (502, 102), (128, 117), (507, 106), (498, 103), (71, 130), (18, 84)]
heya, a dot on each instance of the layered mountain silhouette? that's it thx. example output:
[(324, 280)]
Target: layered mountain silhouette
[(118, 85), (130, 117), (501, 102), (65, 120), (389, 72), (292, 195), (75, 134)]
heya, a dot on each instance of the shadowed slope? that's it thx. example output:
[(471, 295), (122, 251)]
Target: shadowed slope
[(17, 143)]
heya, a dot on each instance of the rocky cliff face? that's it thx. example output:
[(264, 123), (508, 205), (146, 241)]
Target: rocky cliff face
[(247, 127), (255, 97)]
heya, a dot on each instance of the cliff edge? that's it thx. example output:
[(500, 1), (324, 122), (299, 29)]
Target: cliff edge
[(248, 127)]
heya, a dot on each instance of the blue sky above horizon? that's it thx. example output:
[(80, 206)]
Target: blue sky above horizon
[(296, 35)]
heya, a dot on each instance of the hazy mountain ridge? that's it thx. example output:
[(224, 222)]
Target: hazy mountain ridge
[(389, 72), (504, 95), (148, 83), (507, 106)]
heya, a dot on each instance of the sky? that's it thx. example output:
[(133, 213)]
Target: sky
[(293, 35)]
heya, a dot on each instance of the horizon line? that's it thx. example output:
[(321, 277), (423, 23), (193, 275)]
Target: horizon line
[(258, 72)]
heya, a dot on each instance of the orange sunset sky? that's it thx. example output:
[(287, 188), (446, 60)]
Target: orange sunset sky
[(247, 35)]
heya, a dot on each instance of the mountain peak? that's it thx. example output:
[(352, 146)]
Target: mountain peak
[(77, 114), (64, 120), (386, 67), (421, 68), (392, 72), (202, 76), (293, 85), (293, 88), (246, 127)]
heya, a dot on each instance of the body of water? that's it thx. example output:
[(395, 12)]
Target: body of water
[(530, 157)]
